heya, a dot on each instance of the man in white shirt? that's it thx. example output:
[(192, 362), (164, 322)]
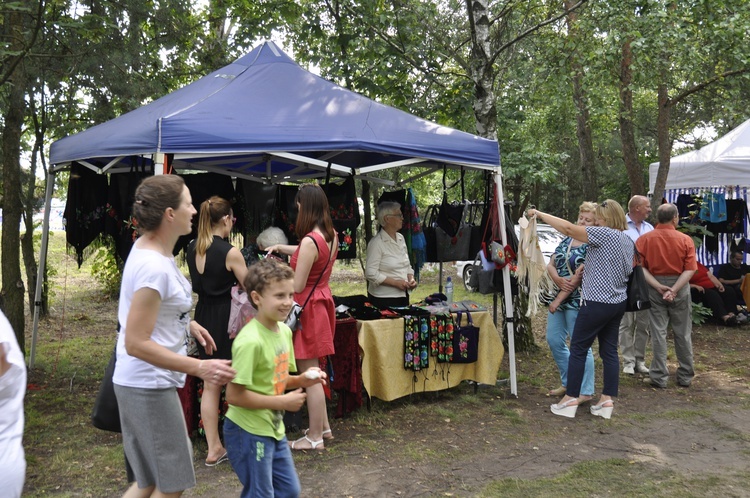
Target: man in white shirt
[(634, 327), (12, 392)]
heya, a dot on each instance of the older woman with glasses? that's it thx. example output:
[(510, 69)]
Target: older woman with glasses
[(389, 274), (215, 267), (609, 263)]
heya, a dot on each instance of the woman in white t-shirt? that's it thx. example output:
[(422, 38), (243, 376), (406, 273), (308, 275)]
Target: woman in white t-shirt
[(12, 391), (389, 274), (154, 311)]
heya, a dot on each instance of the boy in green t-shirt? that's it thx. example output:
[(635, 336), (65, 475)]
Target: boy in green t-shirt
[(262, 355)]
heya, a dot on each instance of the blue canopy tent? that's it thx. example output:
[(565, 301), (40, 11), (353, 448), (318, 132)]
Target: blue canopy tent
[(265, 118)]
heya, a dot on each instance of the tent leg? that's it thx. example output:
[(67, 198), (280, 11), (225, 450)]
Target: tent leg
[(506, 287), (37, 304)]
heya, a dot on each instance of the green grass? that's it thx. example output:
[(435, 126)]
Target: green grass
[(621, 478)]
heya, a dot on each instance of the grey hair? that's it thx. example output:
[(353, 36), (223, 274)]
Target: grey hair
[(386, 208), (666, 213), (270, 237)]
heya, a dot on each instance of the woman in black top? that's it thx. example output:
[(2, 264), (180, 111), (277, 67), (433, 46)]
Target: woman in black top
[(215, 266)]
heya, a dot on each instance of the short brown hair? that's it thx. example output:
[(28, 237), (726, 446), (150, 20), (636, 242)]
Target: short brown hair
[(152, 198), (264, 272)]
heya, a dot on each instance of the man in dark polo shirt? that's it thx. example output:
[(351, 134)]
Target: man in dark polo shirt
[(732, 274), (668, 258)]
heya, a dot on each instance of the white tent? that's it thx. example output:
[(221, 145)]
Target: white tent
[(721, 167), (723, 162)]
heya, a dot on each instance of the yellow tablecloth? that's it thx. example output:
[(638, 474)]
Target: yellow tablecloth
[(383, 373)]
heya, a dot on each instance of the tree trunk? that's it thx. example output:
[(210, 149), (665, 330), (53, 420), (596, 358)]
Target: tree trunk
[(583, 126), (12, 284), (627, 133), (482, 71), (482, 74), (27, 240), (664, 142)]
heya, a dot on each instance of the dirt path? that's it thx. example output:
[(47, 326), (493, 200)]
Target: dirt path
[(411, 448)]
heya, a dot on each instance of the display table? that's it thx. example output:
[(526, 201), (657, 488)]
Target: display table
[(383, 373)]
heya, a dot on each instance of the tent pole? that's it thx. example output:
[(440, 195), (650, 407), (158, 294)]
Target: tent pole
[(37, 304), (506, 286), (160, 165)]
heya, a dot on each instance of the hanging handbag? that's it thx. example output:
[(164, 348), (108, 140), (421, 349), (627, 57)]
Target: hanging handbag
[(294, 318), (465, 340), (637, 299), (241, 311), (106, 413), (428, 229), (453, 245)]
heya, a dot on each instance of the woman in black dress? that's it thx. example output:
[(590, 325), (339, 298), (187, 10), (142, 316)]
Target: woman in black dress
[(215, 266)]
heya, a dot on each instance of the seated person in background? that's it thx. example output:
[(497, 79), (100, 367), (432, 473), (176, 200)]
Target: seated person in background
[(707, 289), (389, 274), (254, 252), (732, 274)]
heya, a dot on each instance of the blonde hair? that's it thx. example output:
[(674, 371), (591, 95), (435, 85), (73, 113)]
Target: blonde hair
[(587, 207), (212, 211), (612, 214)]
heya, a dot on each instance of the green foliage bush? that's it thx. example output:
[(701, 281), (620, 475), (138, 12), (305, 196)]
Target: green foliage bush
[(106, 269), (700, 314)]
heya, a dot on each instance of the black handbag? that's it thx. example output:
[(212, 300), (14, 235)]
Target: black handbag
[(428, 229), (106, 413), (637, 299), (465, 340), (453, 235)]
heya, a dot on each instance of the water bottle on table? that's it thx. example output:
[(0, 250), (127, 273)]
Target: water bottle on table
[(449, 290)]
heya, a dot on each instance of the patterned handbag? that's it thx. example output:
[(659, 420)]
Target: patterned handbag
[(441, 337), (465, 340), (416, 342)]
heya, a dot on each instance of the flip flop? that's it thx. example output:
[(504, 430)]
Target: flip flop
[(221, 459)]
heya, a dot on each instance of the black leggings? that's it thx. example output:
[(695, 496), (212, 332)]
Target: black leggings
[(720, 303)]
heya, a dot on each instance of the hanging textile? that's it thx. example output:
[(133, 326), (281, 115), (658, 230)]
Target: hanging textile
[(119, 224), (531, 263), (736, 216), (85, 208), (714, 249), (714, 207), (342, 200), (254, 209), (286, 211), (413, 225)]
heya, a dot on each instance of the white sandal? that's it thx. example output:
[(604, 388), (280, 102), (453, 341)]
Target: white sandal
[(313, 444), (327, 434)]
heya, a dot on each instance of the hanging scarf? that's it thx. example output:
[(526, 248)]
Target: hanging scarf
[(531, 263), (418, 244)]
